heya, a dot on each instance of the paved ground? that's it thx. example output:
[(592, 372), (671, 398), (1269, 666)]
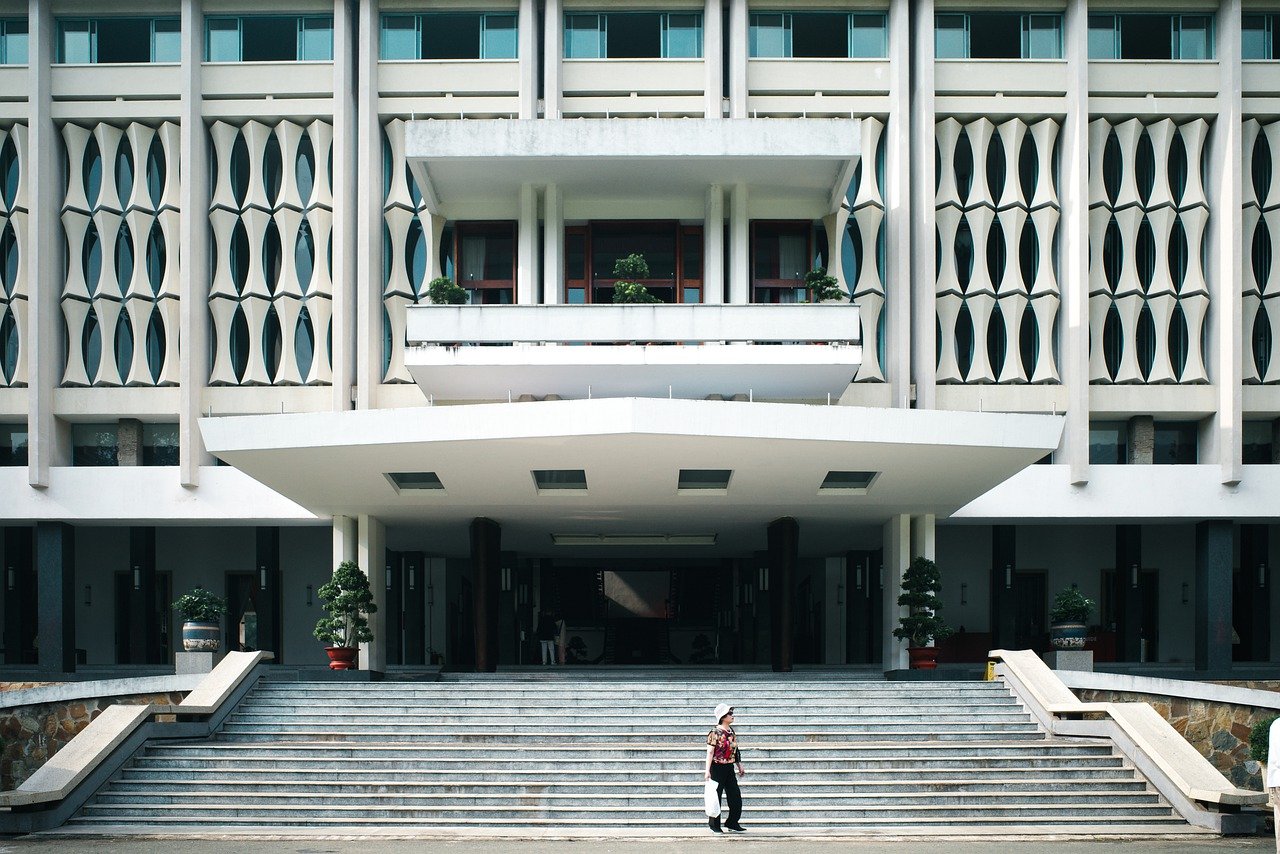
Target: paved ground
[(1037, 846)]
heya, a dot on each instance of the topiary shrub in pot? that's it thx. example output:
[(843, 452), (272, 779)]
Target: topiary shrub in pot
[(921, 585), (822, 286), (627, 290), (348, 601), (201, 620), (1069, 619), (444, 291)]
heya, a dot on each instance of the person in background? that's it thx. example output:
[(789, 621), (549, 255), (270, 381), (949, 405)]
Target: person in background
[(723, 757), (546, 635)]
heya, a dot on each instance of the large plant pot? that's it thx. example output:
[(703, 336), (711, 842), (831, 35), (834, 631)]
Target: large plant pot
[(342, 657), (201, 636), (923, 657), (1068, 636)]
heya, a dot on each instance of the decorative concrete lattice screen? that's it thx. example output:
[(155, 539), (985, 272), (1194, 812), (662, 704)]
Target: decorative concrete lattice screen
[(271, 294), (997, 219), (14, 291), (860, 223), (407, 265), (121, 218), (1261, 280), (1148, 299)]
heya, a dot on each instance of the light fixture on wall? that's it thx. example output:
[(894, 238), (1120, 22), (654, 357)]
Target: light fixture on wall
[(262, 577), (1133, 576), (964, 593), (308, 595), (12, 581), (137, 578), (506, 578), (413, 578), (1008, 577), (763, 578), (88, 594), (387, 576), (1262, 575), (1185, 590), (839, 594), (431, 594), (857, 578)]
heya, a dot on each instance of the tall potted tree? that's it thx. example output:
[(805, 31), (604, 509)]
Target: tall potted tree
[(348, 601), (445, 291), (921, 585), (1069, 619), (822, 286), (201, 613), (627, 289)]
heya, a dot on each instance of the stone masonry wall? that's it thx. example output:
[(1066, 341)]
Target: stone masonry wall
[(1220, 731), (29, 735)]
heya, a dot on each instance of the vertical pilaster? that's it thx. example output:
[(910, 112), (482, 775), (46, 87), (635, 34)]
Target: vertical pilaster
[(368, 192), (713, 247), (1074, 248), (43, 249), (737, 36), (897, 200), (923, 334), (552, 53), (1214, 547), (897, 554), (784, 554), (1128, 592), (713, 58), (739, 247), (528, 52), (344, 539), (55, 547), (371, 554), (346, 226), (1226, 339), (486, 566), (527, 247), (553, 246)]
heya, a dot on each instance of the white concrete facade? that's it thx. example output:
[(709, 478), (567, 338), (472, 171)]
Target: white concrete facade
[(1059, 177)]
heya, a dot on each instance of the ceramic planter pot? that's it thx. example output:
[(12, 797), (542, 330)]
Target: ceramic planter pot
[(923, 657), (1068, 636), (201, 636), (342, 657)]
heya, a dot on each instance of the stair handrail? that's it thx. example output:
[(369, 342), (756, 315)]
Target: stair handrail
[(1184, 777), (118, 728)]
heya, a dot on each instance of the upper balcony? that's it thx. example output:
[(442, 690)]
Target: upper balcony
[(814, 87), (470, 88), (602, 88), (774, 352)]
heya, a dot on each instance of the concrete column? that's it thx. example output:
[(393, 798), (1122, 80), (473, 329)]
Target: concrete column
[(713, 247), (1128, 592), (1074, 248), (897, 192), (737, 35), (486, 565), (924, 311), (371, 554), (368, 201), (1004, 578), (55, 547), (1140, 447), (270, 582), (713, 58), (784, 554), (527, 247), (348, 66), (552, 53), (43, 250), (1226, 250), (193, 231), (1215, 544), (344, 539), (553, 247), (1255, 566), (144, 622), (128, 442), (528, 52), (835, 623), (897, 555), (924, 536), (739, 247)]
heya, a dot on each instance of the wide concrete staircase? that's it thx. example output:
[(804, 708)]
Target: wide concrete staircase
[(584, 753)]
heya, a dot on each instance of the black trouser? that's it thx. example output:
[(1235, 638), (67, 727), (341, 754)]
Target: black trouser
[(727, 782)]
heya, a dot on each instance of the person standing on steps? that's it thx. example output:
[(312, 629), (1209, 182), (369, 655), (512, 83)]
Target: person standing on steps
[(723, 758), (547, 636)]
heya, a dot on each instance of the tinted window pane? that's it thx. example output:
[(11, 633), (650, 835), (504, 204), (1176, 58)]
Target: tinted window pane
[(1259, 442), (868, 37), (315, 39), (583, 38), (633, 35), (1043, 37), (76, 41), (1175, 444), (223, 40), (820, 34), (1193, 37), (166, 40), (768, 36), (1146, 37), (93, 445), (123, 40), (13, 444), (13, 50), (995, 36), (269, 39), (159, 444), (1255, 42), (682, 36), (399, 37), (1102, 37), (1107, 441), (949, 37), (499, 37)]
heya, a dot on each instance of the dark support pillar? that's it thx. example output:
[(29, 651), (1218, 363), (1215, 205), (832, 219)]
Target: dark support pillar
[(1128, 592), (21, 604), (784, 553), (56, 568), (269, 598), (1004, 575), (1215, 547), (413, 565), (144, 615), (486, 565), (1255, 545)]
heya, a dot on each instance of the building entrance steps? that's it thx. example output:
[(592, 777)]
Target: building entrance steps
[(586, 757)]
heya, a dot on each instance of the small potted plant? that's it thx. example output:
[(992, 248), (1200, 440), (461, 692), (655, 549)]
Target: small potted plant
[(201, 620), (821, 286), (1069, 619), (348, 601), (920, 587), (445, 291), (628, 290)]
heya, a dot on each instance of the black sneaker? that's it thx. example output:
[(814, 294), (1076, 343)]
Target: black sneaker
[(736, 828), (714, 823)]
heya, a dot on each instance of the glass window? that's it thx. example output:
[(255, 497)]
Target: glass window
[(1108, 443), (159, 444), (400, 37), (315, 39), (1104, 37), (1042, 36), (269, 38), (166, 40), (499, 37), (75, 42), (632, 35), (94, 445), (1191, 35), (13, 444), (951, 36), (1175, 443), (584, 37), (13, 42), (869, 36), (820, 35), (222, 40), (1259, 442), (451, 35), (1256, 37), (770, 35), (682, 36)]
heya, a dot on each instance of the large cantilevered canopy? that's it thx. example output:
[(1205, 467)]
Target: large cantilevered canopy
[(787, 165), (632, 451)]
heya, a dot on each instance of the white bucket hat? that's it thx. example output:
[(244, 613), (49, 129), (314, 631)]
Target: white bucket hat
[(722, 710)]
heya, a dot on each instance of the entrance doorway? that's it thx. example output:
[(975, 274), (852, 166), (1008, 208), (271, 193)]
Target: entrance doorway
[(1031, 627), (143, 620)]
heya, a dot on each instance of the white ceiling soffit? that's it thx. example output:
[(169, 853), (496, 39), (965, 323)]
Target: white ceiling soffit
[(632, 450)]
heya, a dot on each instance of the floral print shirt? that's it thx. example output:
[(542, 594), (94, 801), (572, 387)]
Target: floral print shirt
[(724, 745)]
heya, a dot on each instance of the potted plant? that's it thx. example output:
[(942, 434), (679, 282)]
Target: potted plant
[(920, 587), (1260, 745), (348, 601), (627, 289), (1069, 619), (445, 291), (201, 620), (821, 286)]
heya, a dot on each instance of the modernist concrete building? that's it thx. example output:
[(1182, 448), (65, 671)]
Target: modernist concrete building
[(218, 362)]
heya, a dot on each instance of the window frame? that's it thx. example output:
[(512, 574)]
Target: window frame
[(1025, 20), (1268, 36), (5, 35), (786, 26), (1175, 30), (92, 31), (300, 27), (602, 35), (419, 18)]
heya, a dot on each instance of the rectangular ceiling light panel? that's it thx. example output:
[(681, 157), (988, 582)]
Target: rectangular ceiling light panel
[(403, 480), (559, 479), (633, 539), (848, 481), (704, 479)]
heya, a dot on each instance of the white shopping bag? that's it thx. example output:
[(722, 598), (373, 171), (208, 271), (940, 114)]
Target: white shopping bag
[(711, 798)]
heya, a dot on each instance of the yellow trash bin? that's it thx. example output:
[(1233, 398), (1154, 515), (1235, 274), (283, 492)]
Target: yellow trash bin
[(991, 671)]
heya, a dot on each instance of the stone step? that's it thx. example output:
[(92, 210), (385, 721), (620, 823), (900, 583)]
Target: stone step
[(478, 735), (621, 721), (511, 708), (629, 692)]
